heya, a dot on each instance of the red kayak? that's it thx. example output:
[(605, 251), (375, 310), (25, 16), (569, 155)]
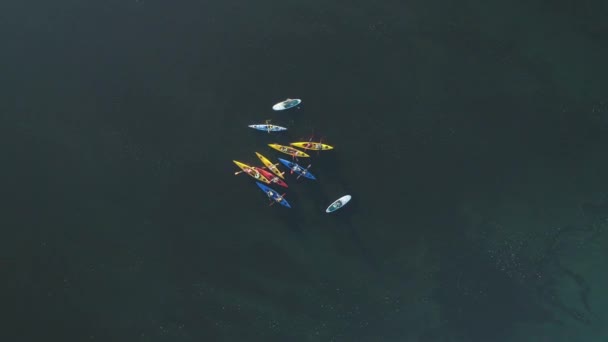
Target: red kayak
[(271, 177)]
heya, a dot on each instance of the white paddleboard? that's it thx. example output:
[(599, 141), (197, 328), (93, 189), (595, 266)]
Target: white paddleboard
[(288, 103), (339, 203)]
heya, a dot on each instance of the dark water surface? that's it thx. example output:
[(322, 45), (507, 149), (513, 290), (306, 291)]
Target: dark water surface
[(472, 137)]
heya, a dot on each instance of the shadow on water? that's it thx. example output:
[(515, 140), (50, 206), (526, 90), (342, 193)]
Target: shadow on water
[(344, 219), (293, 218)]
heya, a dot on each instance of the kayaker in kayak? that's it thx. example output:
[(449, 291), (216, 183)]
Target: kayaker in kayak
[(253, 173), (271, 195)]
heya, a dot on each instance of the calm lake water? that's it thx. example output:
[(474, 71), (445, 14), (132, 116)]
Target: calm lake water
[(471, 135)]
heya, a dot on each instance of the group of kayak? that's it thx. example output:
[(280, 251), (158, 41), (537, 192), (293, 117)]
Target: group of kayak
[(270, 174)]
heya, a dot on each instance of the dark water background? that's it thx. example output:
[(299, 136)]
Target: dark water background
[(472, 137)]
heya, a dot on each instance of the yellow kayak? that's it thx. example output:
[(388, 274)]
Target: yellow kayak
[(251, 171), (289, 150), (312, 146), (272, 167)]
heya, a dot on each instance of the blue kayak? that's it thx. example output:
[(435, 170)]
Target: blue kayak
[(268, 128), (275, 196), (297, 169)]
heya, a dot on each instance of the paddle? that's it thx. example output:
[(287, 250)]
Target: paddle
[(279, 199), (309, 144), (239, 172), (320, 145), (274, 200), (303, 171)]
